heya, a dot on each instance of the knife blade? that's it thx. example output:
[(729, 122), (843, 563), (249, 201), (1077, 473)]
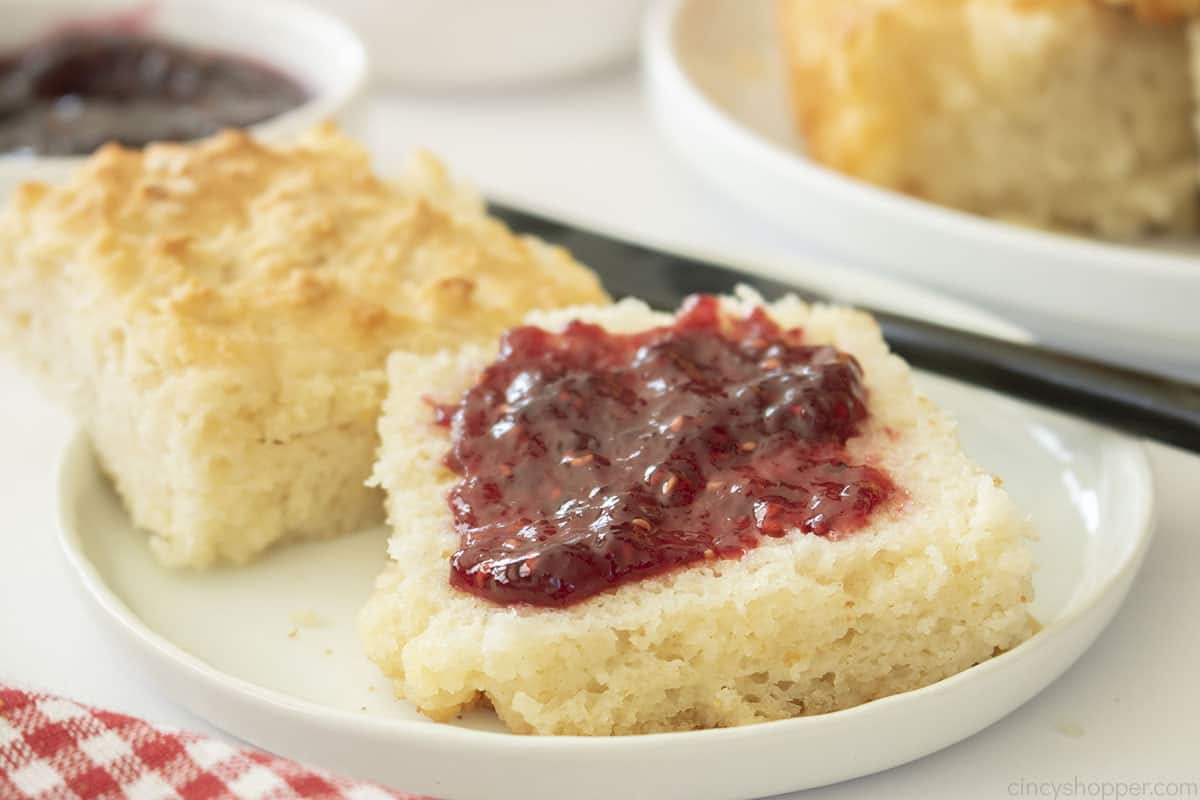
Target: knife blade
[(1141, 403)]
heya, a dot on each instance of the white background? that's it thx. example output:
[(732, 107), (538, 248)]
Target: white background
[(1129, 711)]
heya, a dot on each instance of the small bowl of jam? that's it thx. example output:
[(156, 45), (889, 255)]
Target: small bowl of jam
[(76, 74)]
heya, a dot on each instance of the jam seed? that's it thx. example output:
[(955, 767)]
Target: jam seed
[(505, 470), (748, 446), (641, 523), (709, 554), (669, 486), (676, 424), (579, 461), (714, 485), (525, 570), (771, 363)]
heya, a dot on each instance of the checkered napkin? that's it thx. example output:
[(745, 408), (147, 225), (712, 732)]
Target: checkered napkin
[(54, 749)]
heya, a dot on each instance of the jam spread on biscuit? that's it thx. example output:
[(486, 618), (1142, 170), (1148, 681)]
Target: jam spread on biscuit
[(590, 459), (74, 91)]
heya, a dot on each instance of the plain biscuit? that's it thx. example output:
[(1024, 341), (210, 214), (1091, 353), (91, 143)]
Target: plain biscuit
[(218, 315)]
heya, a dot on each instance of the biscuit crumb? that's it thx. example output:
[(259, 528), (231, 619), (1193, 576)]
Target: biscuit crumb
[(1072, 729), (307, 618)]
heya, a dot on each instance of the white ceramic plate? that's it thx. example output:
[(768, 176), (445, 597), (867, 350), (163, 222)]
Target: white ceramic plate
[(715, 83), (233, 646), (268, 652)]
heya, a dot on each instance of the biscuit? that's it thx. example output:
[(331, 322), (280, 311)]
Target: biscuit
[(802, 624), (218, 315), (1068, 114)]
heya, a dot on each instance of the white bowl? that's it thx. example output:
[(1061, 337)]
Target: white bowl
[(316, 49), (475, 43), (716, 87)]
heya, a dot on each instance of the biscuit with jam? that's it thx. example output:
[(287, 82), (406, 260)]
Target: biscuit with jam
[(628, 522)]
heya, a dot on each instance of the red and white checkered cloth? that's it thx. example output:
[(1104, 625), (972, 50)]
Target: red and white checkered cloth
[(54, 749)]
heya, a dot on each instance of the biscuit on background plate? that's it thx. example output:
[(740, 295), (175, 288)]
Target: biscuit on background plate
[(1072, 114)]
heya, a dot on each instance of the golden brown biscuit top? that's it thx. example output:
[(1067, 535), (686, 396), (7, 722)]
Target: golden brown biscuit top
[(230, 251), (1161, 10), (841, 17)]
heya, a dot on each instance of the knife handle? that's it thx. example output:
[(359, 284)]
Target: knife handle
[(1137, 402)]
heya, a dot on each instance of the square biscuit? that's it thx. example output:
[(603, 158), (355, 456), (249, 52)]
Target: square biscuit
[(801, 624), (218, 315), (1069, 114)]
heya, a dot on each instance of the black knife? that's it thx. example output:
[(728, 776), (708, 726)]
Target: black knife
[(1141, 403)]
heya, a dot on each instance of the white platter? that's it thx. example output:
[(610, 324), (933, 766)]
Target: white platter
[(715, 85), (238, 647)]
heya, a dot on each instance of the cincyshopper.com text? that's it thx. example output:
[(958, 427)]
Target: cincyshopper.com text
[(1103, 790)]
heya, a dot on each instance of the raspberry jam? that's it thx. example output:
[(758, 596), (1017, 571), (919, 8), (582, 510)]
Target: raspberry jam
[(73, 91), (590, 459)]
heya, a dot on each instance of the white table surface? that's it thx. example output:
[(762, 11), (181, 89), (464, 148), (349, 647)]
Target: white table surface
[(1128, 712)]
